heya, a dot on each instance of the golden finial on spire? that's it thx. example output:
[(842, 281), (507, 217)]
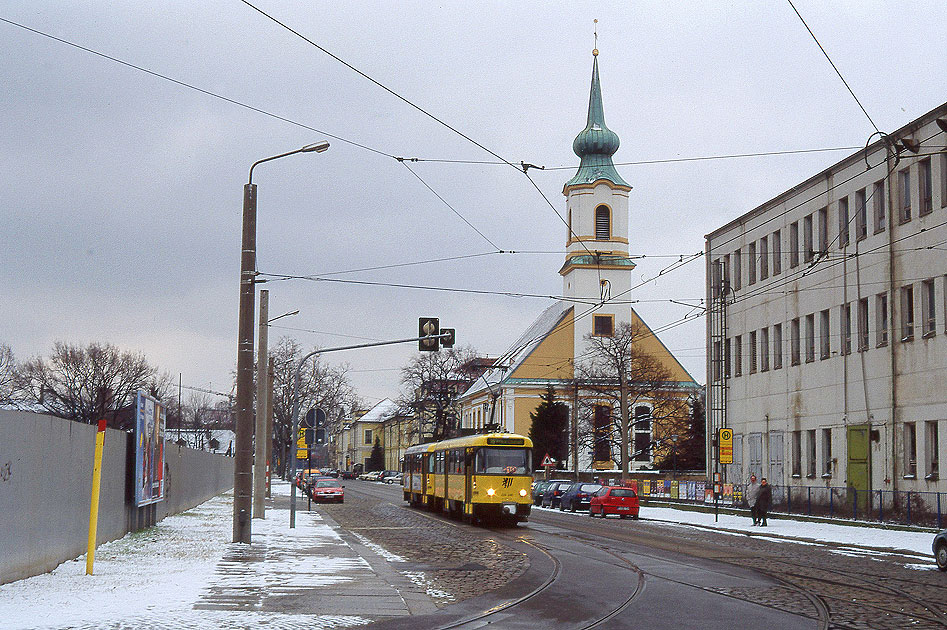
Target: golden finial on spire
[(595, 50)]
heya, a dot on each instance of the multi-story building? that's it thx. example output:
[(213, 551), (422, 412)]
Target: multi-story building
[(827, 334), (359, 434)]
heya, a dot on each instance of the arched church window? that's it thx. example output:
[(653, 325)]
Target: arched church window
[(603, 223), (642, 433)]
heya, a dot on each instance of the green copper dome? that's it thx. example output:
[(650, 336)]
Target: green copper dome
[(596, 144)]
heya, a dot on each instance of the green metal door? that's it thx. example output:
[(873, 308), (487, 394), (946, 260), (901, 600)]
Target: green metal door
[(859, 465)]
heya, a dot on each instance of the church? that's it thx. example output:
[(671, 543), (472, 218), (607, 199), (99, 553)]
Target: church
[(594, 314)]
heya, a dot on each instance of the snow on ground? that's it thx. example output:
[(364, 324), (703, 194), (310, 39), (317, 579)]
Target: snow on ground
[(782, 530), (153, 578)]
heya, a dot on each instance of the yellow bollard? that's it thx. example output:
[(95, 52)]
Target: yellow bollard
[(94, 508)]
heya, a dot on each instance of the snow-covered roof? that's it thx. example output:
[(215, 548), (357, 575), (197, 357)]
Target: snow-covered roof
[(384, 410), (522, 347)]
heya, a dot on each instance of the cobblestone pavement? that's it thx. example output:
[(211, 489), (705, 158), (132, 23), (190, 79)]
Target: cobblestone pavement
[(455, 562), (858, 589), (853, 589)]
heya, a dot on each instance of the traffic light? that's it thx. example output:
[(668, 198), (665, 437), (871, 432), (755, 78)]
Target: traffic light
[(428, 326), (320, 436), (447, 342)]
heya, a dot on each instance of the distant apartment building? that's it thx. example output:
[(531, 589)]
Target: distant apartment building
[(827, 334)]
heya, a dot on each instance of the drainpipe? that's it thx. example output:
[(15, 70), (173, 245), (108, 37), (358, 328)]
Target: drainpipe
[(891, 162)]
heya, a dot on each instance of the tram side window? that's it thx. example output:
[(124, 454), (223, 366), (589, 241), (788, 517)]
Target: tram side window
[(503, 461), (430, 463), (439, 462)]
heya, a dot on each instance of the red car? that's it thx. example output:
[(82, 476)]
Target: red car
[(328, 489), (619, 500)]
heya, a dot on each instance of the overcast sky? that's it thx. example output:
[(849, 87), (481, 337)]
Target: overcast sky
[(122, 191)]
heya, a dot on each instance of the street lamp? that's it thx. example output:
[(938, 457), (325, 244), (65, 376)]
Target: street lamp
[(243, 473)]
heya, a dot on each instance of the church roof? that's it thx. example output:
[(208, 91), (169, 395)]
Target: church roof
[(596, 144), (522, 347)]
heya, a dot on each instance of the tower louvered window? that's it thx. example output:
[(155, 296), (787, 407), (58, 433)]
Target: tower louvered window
[(603, 227)]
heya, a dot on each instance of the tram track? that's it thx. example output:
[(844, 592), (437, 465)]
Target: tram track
[(509, 606), (844, 579), (555, 576)]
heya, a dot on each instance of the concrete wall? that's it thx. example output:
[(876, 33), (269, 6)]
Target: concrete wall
[(46, 484)]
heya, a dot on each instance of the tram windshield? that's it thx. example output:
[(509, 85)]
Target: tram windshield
[(503, 461)]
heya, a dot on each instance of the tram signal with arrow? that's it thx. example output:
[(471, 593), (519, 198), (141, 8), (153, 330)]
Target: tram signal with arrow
[(429, 328)]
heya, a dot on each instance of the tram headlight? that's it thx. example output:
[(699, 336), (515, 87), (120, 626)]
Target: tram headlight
[(491, 492), (523, 492)]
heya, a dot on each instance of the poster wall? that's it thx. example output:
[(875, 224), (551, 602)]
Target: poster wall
[(149, 450)]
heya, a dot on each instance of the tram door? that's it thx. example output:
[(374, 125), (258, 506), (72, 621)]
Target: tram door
[(468, 479)]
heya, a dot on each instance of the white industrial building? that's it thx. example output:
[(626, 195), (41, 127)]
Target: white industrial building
[(827, 331)]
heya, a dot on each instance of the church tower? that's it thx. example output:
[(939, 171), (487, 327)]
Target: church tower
[(597, 266)]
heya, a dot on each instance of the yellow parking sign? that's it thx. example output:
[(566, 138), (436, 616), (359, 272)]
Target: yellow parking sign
[(725, 445)]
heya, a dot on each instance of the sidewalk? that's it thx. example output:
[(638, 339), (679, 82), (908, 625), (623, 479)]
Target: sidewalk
[(184, 573), (851, 539)]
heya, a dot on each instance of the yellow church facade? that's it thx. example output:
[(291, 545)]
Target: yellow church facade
[(593, 313)]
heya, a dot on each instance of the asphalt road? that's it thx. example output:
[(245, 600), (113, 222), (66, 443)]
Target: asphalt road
[(585, 573)]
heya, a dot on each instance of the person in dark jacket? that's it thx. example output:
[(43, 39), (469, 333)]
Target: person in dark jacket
[(764, 501)]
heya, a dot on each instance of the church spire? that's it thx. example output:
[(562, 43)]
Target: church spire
[(596, 144)]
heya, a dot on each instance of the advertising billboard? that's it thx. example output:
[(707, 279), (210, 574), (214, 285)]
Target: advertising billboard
[(149, 450)]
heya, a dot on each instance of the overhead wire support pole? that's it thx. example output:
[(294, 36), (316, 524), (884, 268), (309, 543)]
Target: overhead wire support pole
[(296, 381)]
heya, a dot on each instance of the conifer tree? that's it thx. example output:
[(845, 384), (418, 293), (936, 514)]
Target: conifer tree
[(376, 460), (550, 422)]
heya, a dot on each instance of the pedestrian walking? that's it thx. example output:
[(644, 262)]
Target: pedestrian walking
[(752, 497), (764, 501)]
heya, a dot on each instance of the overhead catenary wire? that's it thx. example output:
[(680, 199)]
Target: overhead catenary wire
[(834, 67), (454, 210), (194, 87)]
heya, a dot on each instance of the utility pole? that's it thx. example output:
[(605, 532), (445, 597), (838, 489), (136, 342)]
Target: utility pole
[(623, 408), (575, 428), (260, 439), (270, 377)]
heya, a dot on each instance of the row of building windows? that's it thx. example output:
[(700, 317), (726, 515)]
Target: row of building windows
[(812, 468), (764, 347), (765, 256), (811, 451)]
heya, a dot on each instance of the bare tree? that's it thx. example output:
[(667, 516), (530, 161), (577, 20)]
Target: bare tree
[(432, 383), (321, 385), (89, 383), (9, 375), (620, 372)]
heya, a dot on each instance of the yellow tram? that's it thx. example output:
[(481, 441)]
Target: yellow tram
[(480, 477)]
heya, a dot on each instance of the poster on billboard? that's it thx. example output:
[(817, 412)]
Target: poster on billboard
[(149, 450)]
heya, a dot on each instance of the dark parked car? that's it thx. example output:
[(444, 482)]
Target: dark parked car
[(553, 493), (578, 496), (541, 486), (618, 500), (940, 550), (348, 474)]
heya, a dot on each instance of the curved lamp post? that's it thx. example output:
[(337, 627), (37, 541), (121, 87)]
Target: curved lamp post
[(243, 460)]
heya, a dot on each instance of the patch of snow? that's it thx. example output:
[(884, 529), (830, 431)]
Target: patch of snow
[(890, 542), (154, 578), (378, 549)]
